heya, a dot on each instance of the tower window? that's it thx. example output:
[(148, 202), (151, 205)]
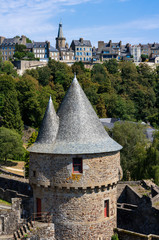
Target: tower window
[(106, 208), (77, 165), (34, 173)]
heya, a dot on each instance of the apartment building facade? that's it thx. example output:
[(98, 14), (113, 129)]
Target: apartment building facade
[(7, 46), (82, 49)]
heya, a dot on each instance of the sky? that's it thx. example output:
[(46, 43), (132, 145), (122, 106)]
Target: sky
[(133, 21)]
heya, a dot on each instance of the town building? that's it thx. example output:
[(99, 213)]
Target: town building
[(106, 51), (74, 170), (53, 53), (135, 51), (7, 46), (40, 49), (82, 49), (155, 50), (65, 53), (146, 49)]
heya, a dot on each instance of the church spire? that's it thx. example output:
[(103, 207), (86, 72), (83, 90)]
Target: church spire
[(60, 32), (60, 40)]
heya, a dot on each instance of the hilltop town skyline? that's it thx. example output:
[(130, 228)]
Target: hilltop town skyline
[(126, 20)]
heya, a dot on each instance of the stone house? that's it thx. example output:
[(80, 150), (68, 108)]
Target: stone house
[(74, 170), (106, 51), (40, 49), (7, 46), (82, 49)]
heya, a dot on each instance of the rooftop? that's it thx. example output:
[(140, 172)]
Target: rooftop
[(80, 130)]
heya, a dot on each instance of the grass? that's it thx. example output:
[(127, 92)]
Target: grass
[(16, 165), (2, 202), (156, 204)]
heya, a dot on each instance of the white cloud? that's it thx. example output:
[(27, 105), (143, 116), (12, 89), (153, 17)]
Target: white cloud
[(133, 32), (35, 19), (32, 17)]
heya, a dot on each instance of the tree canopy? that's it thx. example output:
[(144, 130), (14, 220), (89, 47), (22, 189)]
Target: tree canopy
[(11, 144)]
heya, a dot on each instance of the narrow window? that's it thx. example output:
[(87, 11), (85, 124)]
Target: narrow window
[(34, 173), (106, 208), (77, 165)]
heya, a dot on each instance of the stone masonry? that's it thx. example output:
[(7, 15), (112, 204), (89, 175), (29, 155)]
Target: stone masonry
[(74, 170)]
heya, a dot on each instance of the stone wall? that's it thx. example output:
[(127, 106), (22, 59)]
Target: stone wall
[(13, 187), (129, 235), (98, 170), (23, 65), (77, 200), (10, 217), (137, 214)]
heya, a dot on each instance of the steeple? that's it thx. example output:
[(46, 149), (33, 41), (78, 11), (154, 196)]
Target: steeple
[(60, 40), (60, 32), (48, 129)]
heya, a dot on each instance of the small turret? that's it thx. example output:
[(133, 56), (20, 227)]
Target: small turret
[(48, 129)]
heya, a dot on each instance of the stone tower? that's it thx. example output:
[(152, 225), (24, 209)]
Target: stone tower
[(60, 40), (74, 170)]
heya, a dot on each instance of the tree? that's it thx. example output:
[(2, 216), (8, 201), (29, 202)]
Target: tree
[(44, 75), (78, 68), (9, 104), (132, 138), (27, 89), (10, 144), (21, 52), (101, 109), (111, 65), (151, 162), (100, 75), (8, 68), (144, 57)]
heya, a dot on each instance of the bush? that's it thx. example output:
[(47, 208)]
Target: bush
[(115, 237)]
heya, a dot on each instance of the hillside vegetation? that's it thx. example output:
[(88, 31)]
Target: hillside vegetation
[(119, 90)]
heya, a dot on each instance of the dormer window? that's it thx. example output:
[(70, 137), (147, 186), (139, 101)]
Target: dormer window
[(77, 165)]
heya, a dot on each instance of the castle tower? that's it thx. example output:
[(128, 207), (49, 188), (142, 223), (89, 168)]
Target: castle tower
[(60, 40), (74, 170)]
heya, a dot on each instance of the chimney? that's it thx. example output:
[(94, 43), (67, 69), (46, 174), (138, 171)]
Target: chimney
[(1, 39), (100, 45), (23, 40), (81, 40)]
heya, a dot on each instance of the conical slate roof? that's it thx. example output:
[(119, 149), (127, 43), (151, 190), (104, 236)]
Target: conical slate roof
[(79, 130), (60, 33), (48, 129)]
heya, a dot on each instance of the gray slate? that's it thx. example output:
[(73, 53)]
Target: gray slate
[(80, 130), (48, 130)]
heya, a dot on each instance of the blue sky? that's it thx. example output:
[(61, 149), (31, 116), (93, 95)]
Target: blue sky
[(133, 21)]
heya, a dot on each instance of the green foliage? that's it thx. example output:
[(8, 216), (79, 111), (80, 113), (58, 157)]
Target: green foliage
[(78, 68), (9, 109), (44, 75), (32, 139), (20, 48), (101, 109), (27, 89), (28, 40), (8, 68), (133, 140), (115, 237), (21, 52), (112, 66), (10, 144), (144, 57), (151, 162), (26, 165)]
